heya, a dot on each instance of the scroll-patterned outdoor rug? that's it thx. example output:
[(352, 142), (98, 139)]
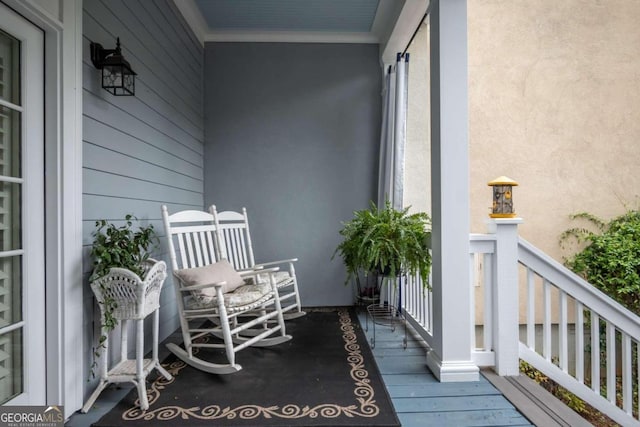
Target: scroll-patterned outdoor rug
[(325, 376)]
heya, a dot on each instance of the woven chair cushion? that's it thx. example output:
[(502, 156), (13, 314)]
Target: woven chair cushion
[(209, 274), (283, 278), (242, 296)]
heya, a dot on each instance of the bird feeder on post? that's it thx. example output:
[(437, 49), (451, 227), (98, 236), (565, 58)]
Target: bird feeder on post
[(502, 197)]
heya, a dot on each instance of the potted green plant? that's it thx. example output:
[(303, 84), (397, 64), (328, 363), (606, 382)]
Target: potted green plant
[(386, 241), (121, 263)]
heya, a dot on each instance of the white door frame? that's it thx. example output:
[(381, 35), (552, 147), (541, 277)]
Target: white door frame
[(32, 210), (66, 376)]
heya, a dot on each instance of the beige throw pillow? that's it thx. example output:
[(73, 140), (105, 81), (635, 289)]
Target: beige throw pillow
[(209, 274)]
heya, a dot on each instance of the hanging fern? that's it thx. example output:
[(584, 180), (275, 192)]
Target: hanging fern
[(387, 241)]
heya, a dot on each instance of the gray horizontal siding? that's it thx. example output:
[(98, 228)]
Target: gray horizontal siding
[(159, 151), (103, 25), (145, 151), (134, 113), (106, 160)]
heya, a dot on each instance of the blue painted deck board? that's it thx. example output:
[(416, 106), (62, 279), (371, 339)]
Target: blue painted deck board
[(444, 389), (461, 402), (418, 397), (402, 364), (509, 417)]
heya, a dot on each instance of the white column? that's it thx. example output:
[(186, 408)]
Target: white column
[(450, 357), (505, 296)]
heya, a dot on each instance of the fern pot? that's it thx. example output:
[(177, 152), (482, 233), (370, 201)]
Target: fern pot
[(367, 287)]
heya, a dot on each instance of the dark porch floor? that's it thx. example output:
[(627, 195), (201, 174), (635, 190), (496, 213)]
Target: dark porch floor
[(418, 397)]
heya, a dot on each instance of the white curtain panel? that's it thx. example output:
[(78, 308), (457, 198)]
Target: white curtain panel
[(393, 133)]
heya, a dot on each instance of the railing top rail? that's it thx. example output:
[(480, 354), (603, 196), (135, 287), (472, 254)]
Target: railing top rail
[(482, 243), (482, 237), (578, 288)]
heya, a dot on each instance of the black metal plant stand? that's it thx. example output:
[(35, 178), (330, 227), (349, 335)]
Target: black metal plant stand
[(387, 314)]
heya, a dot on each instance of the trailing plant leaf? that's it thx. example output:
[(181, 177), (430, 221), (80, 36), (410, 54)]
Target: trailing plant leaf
[(120, 246), (386, 240)]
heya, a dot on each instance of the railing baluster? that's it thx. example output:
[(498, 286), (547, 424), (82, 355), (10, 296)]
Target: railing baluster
[(638, 373), (422, 301), (430, 312), (531, 309), (627, 394), (408, 294), (611, 361), (579, 331), (488, 302), (562, 334), (418, 296), (546, 338), (472, 290), (414, 296), (595, 352)]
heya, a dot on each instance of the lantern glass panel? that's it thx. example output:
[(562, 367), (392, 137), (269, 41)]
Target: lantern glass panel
[(111, 76)]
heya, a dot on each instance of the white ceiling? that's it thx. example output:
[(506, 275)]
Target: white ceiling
[(389, 23)]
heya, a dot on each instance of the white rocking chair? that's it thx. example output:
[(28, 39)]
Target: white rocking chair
[(234, 244), (204, 286)]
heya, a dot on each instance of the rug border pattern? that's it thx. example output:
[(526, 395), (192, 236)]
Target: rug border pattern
[(364, 393)]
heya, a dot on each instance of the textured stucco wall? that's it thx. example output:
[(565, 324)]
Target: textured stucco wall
[(554, 97)]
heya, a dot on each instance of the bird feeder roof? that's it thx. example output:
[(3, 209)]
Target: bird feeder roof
[(502, 180)]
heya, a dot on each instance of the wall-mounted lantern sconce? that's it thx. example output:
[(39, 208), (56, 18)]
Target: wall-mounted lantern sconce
[(117, 76), (502, 197)]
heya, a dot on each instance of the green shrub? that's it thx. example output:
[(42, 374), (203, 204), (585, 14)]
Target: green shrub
[(609, 257)]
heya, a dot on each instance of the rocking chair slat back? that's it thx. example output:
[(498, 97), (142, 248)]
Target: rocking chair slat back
[(234, 244), (194, 233), (236, 239)]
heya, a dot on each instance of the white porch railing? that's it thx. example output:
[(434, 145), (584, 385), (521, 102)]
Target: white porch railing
[(569, 330), (601, 366)]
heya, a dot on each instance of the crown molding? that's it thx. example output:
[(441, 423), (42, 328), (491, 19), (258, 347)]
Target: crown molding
[(194, 18), (291, 37)]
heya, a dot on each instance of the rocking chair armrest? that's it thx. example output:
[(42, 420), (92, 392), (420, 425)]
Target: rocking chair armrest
[(251, 269), (203, 286), (258, 271), (282, 261)]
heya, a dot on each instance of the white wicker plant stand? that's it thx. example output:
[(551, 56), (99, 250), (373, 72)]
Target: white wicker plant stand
[(135, 300)]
